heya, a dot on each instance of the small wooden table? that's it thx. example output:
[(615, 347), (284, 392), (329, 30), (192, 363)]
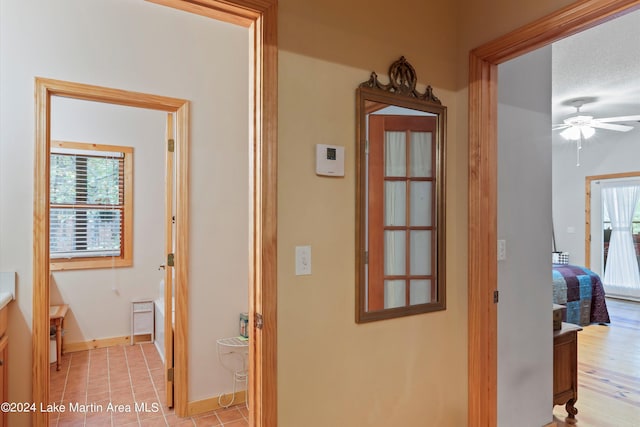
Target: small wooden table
[(56, 318), (565, 368)]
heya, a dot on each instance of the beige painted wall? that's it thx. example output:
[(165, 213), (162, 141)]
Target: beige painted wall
[(371, 34), (332, 371), (369, 374), (395, 372)]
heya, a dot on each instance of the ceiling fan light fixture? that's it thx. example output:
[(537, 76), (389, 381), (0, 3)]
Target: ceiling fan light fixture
[(572, 133), (579, 127), (587, 131)]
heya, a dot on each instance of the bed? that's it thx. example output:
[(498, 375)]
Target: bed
[(581, 291)]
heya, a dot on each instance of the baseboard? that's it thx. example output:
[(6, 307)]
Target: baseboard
[(211, 404), (99, 343), (622, 297), (142, 338)]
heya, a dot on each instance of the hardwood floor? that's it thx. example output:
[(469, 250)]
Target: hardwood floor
[(608, 371)]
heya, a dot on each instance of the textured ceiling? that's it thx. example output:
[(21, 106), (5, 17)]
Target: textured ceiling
[(602, 63)]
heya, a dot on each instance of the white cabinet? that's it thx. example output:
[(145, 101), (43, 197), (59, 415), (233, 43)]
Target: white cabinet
[(142, 319)]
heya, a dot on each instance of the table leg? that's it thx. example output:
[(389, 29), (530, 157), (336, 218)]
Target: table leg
[(571, 410), (58, 344)]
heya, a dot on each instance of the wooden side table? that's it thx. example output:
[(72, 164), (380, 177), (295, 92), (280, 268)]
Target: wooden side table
[(565, 367), (56, 318)]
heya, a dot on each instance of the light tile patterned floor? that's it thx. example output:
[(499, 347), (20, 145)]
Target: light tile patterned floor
[(91, 384)]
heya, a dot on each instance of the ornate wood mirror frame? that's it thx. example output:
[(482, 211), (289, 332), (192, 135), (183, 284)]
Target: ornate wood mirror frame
[(400, 197)]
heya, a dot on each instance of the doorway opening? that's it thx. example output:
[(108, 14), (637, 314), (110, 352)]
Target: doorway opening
[(482, 213), (260, 18), (46, 91)]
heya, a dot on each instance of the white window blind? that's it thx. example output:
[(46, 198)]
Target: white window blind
[(86, 204)]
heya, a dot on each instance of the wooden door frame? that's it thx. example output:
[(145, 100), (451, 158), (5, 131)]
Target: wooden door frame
[(483, 189), (45, 89), (169, 246), (260, 17)]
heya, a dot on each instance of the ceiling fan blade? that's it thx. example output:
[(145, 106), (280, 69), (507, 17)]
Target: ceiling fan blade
[(619, 119), (558, 127), (609, 126)]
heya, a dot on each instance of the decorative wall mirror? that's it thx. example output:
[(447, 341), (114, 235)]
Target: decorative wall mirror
[(400, 197)]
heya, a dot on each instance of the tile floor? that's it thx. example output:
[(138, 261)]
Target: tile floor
[(91, 384)]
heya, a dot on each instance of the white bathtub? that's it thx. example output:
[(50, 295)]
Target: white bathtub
[(159, 317)]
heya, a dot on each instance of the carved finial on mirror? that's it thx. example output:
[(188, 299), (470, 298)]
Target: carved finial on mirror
[(403, 80)]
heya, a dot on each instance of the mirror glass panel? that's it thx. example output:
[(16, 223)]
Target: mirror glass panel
[(400, 197)]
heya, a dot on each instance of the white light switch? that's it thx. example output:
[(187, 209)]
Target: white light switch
[(303, 260), (502, 250)]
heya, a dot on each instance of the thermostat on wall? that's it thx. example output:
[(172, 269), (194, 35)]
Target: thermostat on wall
[(329, 160)]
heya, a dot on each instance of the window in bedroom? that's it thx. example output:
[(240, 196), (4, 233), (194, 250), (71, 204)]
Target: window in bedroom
[(620, 200), (607, 229), (90, 206)]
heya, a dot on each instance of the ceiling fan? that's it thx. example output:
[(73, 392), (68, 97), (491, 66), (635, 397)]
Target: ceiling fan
[(580, 127)]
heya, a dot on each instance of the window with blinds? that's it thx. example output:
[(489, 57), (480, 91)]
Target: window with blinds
[(87, 201)]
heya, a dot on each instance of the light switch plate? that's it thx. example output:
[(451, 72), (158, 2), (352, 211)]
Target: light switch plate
[(502, 250), (303, 260)]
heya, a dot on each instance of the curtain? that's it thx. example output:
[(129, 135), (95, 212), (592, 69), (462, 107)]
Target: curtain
[(395, 164), (421, 154), (395, 206), (621, 275)]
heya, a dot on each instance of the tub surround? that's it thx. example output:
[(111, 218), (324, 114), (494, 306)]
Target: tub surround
[(159, 324)]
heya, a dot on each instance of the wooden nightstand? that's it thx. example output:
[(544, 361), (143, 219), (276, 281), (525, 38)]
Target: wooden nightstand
[(565, 367)]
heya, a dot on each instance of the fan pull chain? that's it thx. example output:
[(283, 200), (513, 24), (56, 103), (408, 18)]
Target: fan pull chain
[(578, 148)]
